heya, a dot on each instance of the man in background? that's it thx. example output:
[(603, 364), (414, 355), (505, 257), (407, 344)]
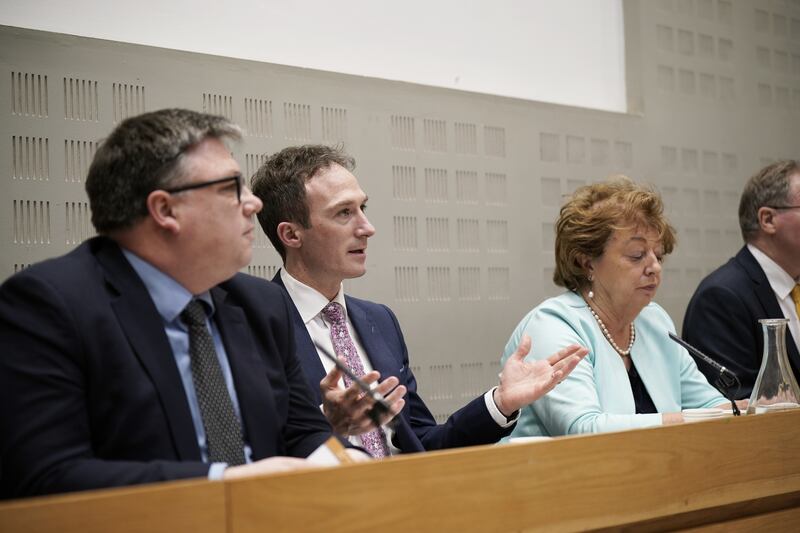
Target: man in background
[(316, 221), (142, 355), (761, 281)]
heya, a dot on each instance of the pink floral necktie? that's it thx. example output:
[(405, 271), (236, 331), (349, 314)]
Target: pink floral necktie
[(374, 441)]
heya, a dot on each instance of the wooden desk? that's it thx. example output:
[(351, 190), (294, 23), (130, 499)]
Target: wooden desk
[(734, 474)]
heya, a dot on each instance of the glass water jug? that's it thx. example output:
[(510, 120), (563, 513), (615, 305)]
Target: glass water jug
[(776, 387)]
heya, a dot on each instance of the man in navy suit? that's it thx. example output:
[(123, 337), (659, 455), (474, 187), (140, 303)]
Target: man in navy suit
[(316, 221), (761, 281), (98, 371)]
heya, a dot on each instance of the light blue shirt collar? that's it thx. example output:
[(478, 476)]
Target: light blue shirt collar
[(169, 296)]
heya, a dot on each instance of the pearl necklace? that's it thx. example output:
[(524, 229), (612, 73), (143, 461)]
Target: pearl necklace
[(604, 329)]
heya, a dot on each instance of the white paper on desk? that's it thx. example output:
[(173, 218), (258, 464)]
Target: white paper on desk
[(323, 456)]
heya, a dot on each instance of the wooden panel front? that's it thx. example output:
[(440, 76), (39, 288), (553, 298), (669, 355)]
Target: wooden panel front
[(736, 472), (194, 506), (567, 484)]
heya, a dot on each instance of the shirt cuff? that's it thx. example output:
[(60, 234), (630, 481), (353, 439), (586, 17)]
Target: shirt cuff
[(502, 420), (216, 471)]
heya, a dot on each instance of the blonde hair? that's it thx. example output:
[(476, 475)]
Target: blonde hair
[(589, 218)]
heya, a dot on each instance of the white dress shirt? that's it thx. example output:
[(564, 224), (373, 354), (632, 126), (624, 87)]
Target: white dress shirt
[(782, 284)]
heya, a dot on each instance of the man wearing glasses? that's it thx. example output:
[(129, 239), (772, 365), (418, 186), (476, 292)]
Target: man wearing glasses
[(142, 355), (761, 281)]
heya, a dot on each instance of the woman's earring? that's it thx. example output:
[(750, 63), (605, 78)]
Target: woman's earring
[(591, 292)]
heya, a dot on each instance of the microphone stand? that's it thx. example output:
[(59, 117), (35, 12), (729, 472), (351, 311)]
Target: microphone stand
[(724, 383), (726, 380)]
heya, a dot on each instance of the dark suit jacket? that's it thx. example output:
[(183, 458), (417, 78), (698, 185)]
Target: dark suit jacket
[(380, 335), (90, 395), (722, 319)]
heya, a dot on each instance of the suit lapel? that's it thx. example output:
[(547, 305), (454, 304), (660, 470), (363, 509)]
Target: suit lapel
[(253, 390), (306, 351), (380, 357), (766, 296), (761, 286), (139, 319), (377, 351)]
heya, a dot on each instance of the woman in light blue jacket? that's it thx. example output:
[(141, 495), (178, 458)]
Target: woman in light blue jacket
[(611, 239)]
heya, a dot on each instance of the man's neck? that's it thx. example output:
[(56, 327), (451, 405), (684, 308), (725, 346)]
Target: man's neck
[(767, 247), (328, 288), (162, 255)]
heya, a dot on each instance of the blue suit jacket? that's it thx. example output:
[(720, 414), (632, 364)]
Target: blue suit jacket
[(90, 395), (722, 319), (380, 335)]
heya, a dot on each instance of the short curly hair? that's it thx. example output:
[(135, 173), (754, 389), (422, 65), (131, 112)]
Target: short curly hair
[(592, 214)]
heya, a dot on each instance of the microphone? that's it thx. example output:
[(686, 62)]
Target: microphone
[(726, 379), (380, 407)]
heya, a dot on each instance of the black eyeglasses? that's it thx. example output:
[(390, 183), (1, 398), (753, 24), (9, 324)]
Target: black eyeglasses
[(783, 206), (199, 185)]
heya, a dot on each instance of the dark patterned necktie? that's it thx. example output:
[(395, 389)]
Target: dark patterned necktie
[(374, 441), (223, 430)]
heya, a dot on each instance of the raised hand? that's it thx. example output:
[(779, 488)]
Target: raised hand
[(523, 382)]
